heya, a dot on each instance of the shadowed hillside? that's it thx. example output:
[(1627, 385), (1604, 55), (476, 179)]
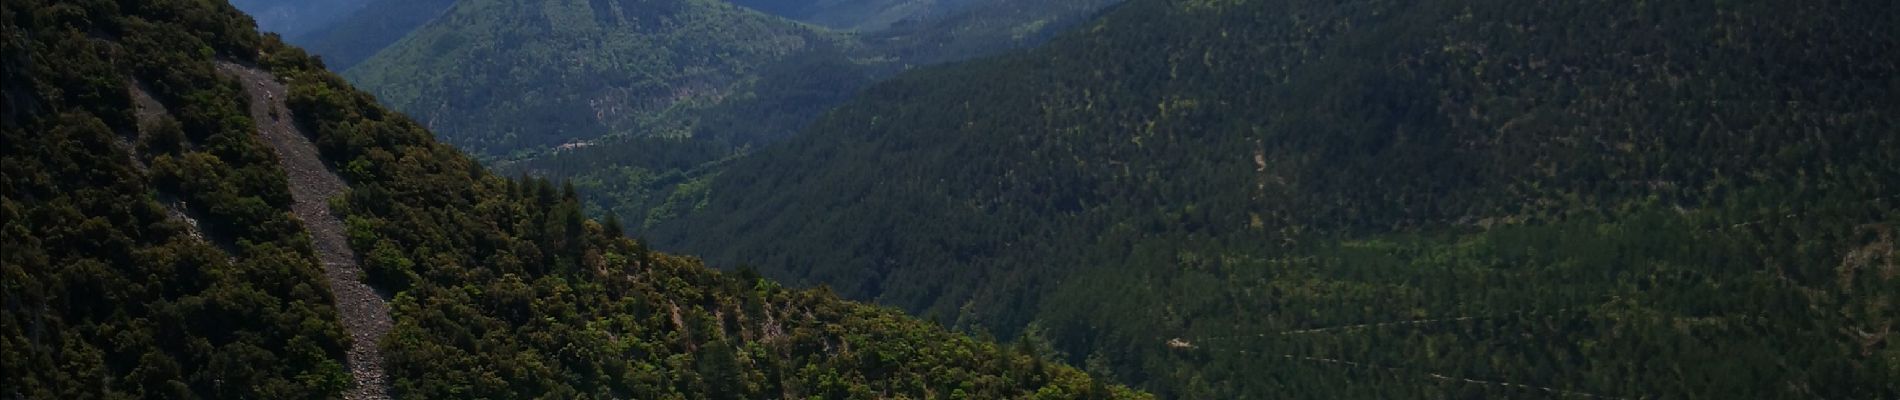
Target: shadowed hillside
[(1691, 199)]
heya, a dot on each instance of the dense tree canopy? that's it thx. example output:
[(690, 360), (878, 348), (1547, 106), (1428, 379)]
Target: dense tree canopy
[(150, 252), (1639, 199)]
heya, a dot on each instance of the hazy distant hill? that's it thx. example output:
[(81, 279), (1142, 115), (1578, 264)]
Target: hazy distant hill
[(499, 76), (293, 18), (377, 25)]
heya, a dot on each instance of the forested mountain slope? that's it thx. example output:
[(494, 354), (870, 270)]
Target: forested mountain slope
[(663, 169), (353, 38), (855, 15), (161, 243), (149, 251), (1628, 199), (500, 76), (963, 29)]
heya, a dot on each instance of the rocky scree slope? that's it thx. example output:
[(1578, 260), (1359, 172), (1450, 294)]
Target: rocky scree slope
[(312, 185)]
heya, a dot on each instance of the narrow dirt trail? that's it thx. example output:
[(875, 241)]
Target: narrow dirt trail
[(312, 184)]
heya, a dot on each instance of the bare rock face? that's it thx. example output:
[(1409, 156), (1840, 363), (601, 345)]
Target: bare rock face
[(312, 185)]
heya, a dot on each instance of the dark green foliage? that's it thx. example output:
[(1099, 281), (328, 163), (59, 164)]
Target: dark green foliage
[(108, 294), (1606, 188), (503, 289)]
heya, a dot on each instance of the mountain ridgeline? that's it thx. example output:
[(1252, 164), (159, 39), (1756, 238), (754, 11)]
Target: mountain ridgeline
[(1373, 198), (293, 18), (659, 168), (161, 242), (565, 75)]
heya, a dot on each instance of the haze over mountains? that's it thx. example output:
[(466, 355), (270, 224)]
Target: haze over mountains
[(293, 18), (377, 25)]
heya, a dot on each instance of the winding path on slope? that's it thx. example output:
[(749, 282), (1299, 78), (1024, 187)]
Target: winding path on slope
[(312, 184)]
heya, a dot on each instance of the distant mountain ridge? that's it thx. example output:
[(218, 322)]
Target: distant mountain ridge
[(293, 18), (377, 25), (638, 144), (497, 76), (661, 170)]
